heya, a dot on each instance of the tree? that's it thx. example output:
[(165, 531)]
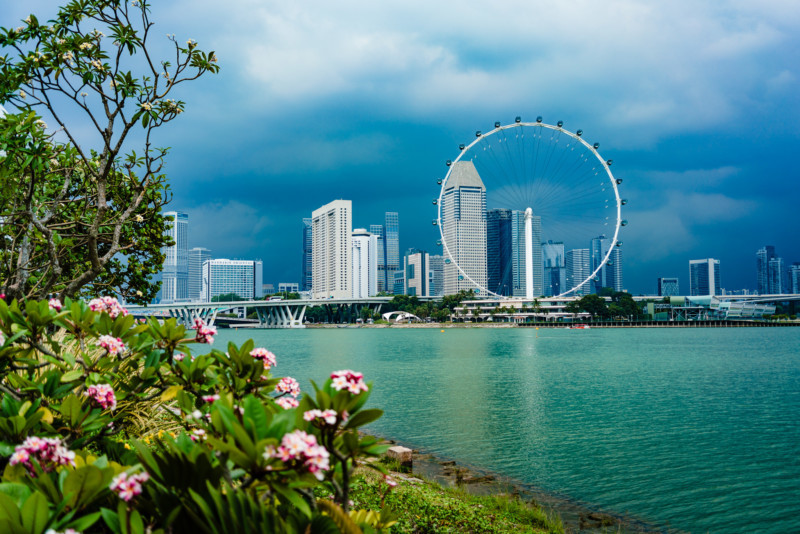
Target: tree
[(573, 307), (451, 301), (594, 305), (227, 297), (80, 209)]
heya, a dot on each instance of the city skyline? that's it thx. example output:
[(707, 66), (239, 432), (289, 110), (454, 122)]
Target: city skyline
[(695, 103)]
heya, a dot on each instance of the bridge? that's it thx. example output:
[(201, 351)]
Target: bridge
[(270, 313)]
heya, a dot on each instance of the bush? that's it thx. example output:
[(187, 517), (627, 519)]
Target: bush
[(248, 454)]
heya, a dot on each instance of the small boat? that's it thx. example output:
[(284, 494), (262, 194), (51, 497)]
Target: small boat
[(580, 327)]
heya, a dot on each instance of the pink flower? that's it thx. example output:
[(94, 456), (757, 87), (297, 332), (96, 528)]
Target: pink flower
[(287, 403), (128, 487), (301, 449), (198, 434), (113, 345), (205, 333), (55, 304), (210, 398), (389, 481), (328, 416), (288, 385), (110, 305), (266, 356), (103, 395), (179, 357), (349, 380), (48, 452)]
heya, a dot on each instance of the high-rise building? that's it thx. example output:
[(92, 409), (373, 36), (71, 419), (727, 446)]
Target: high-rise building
[(777, 276), (288, 287), (240, 277), (613, 270), (794, 278), (305, 276), (668, 287), (175, 273), (391, 243), (464, 228), (437, 275), (598, 249), (197, 257), (704, 277), (398, 282), (578, 262), (555, 273), (499, 247), (377, 231), (763, 257), (416, 264), (518, 250), (332, 250), (365, 264)]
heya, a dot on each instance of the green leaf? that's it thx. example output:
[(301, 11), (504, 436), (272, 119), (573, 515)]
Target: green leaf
[(9, 510), (17, 491), (111, 519), (82, 485), (83, 523), (71, 376), (35, 513), (294, 498), (364, 417)]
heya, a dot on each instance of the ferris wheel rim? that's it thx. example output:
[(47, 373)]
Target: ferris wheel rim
[(538, 124)]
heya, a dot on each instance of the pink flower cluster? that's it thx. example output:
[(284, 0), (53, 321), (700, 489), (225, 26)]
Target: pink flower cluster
[(103, 395), (210, 398), (329, 416), (110, 305), (55, 304), (205, 333), (128, 486), (113, 345), (68, 531), (49, 452), (349, 380), (301, 448), (264, 355), (287, 403), (288, 385)]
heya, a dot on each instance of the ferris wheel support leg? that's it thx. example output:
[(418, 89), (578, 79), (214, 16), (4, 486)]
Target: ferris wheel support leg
[(528, 254)]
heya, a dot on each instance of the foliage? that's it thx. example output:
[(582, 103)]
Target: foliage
[(85, 207), (428, 507), (246, 455), (227, 297)]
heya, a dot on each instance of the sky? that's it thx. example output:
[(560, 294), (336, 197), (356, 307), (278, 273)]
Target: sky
[(697, 103)]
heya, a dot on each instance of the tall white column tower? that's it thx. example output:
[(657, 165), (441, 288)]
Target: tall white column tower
[(528, 254)]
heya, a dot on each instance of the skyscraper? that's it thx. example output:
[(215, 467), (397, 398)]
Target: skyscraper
[(240, 277), (763, 257), (668, 287), (777, 276), (578, 261), (613, 270), (175, 273), (305, 275), (332, 250), (437, 275), (391, 244), (704, 277), (499, 248), (464, 228), (416, 264), (377, 231), (598, 249), (365, 264), (794, 278), (197, 257), (554, 268)]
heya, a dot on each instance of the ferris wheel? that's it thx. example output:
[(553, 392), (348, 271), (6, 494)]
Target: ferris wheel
[(536, 182)]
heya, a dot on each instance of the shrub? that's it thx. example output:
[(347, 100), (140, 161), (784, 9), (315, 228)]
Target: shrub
[(249, 453)]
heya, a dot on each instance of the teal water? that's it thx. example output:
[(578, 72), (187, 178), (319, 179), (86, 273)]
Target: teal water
[(690, 429)]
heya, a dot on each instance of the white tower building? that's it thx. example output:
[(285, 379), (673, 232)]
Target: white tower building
[(464, 228), (332, 250), (365, 264), (175, 272)]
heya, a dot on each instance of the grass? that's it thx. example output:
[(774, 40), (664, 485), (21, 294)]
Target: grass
[(426, 507)]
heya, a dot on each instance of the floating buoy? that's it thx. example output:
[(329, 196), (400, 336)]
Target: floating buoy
[(442, 331)]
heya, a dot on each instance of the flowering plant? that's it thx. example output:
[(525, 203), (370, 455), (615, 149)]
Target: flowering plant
[(247, 444)]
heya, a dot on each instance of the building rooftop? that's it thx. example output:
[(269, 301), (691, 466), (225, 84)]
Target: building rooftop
[(464, 174)]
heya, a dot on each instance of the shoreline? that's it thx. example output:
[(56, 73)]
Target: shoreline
[(566, 326), (576, 516)]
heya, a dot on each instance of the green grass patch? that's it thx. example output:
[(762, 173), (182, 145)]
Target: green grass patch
[(427, 507)]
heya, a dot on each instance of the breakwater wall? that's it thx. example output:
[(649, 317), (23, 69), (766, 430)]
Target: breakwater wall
[(709, 323)]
